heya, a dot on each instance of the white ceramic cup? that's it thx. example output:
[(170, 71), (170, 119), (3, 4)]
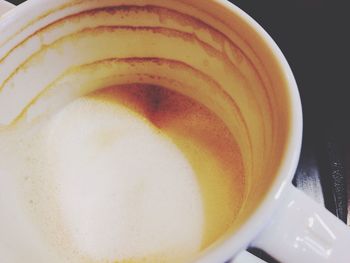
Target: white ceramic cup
[(284, 222)]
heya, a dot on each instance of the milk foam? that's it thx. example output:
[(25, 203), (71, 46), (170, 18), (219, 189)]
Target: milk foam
[(123, 189), (131, 173)]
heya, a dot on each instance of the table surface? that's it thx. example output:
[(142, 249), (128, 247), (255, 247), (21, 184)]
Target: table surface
[(312, 35)]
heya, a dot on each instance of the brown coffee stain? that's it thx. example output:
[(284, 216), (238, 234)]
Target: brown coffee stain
[(192, 38), (31, 23), (137, 61), (162, 12), (188, 37), (202, 137)]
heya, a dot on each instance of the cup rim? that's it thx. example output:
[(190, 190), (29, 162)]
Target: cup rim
[(246, 233)]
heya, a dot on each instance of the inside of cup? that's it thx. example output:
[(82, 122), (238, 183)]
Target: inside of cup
[(205, 53)]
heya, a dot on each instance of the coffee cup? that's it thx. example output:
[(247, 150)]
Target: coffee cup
[(200, 112)]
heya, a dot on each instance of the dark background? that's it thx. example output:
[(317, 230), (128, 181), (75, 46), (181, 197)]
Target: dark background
[(313, 35)]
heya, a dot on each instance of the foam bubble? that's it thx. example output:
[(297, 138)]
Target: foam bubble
[(124, 190)]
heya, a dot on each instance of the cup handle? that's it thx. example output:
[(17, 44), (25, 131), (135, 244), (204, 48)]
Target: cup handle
[(246, 257), (5, 6), (303, 231)]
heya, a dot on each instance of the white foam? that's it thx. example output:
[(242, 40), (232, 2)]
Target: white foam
[(124, 189)]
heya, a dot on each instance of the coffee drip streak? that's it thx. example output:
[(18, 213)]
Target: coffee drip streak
[(184, 18), (158, 61), (167, 32)]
